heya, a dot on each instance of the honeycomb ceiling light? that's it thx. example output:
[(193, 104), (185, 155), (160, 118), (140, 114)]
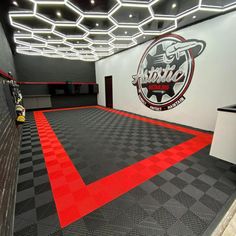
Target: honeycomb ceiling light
[(91, 30)]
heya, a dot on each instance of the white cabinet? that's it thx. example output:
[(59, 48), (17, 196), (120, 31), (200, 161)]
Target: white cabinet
[(224, 139), (37, 101)]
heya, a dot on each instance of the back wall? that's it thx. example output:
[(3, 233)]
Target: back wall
[(43, 69), (213, 84), (37, 68)]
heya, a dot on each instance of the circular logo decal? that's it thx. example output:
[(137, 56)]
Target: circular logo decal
[(165, 71)]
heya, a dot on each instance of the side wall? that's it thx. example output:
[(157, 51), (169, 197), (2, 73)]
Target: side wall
[(43, 69), (9, 143), (213, 84), (6, 58)]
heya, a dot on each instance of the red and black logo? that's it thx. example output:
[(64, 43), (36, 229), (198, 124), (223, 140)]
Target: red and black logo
[(166, 70)]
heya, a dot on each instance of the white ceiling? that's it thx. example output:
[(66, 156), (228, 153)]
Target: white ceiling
[(83, 30)]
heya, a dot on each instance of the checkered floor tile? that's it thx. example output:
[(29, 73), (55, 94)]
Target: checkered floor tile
[(182, 200), (106, 142)]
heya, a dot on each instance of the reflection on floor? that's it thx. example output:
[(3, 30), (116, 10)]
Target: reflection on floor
[(184, 199)]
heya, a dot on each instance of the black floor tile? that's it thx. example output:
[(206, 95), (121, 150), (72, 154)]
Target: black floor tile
[(42, 188), (183, 200), (193, 222), (25, 170), (24, 206), (25, 185), (164, 218), (30, 230), (45, 210), (104, 143), (39, 173)]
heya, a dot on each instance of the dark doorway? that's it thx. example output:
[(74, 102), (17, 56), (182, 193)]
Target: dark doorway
[(108, 88)]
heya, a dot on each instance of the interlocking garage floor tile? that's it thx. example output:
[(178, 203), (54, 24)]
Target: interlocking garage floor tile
[(184, 199), (101, 143)]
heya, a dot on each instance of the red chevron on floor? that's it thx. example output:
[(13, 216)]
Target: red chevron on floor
[(74, 199)]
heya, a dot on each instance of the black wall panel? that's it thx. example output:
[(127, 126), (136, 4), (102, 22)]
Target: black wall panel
[(74, 101), (43, 69), (6, 58), (9, 143), (31, 89)]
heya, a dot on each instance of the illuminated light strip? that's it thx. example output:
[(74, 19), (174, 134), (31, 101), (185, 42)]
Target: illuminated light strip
[(83, 37), (63, 49), (124, 45), (73, 37), (206, 8), (28, 53), (35, 8), (126, 37), (29, 46), (92, 31), (134, 5), (20, 13), (113, 9), (64, 44), (129, 23), (153, 3), (215, 6), (26, 27), (95, 30), (200, 3), (38, 38), (48, 44), (22, 35), (172, 27), (44, 19), (151, 11), (84, 13), (17, 40), (73, 7), (35, 51), (100, 42), (180, 15), (230, 4), (98, 33), (134, 2), (80, 45), (50, 2), (96, 15), (97, 43), (188, 13), (67, 36), (27, 36), (99, 49)]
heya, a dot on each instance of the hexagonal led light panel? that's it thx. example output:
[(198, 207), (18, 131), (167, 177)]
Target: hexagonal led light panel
[(89, 31)]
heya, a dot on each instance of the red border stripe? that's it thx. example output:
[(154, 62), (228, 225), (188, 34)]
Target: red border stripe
[(31, 82), (5, 75), (74, 199)]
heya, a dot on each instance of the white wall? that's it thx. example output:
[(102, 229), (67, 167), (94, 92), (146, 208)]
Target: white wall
[(213, 84)]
